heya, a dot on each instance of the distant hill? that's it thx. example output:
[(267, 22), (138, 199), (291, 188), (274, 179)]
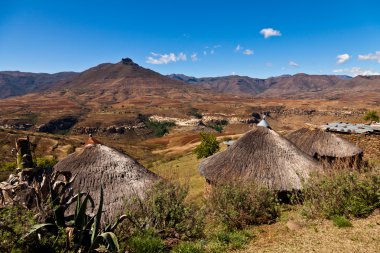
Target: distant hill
[(297, 86), (15, 83), (234, 84), (120, 81)]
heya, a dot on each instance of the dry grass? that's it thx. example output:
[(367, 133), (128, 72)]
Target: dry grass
[(301, 235), (185, 170)]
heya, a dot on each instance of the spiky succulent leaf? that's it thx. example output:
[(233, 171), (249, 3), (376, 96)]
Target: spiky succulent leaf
[(98, 217)]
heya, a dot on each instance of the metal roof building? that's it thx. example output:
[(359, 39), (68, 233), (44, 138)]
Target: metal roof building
[(348, 128)]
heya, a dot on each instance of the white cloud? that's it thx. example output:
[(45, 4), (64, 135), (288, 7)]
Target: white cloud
[(293, 64), (165, 58), (181, 57), (194, 57), (342, 58), (205, 52), (269, 64), (355, 71), (375, 56), (269, 32), (212, 51), (217, 46), (237, 48), (248, 52)]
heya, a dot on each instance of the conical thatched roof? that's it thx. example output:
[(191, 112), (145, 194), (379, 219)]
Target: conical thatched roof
[(319, 143), (263, 156), (264, 123), (120, 175)]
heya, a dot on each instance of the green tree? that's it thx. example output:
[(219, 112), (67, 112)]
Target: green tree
[(209, 145), (371, 115)]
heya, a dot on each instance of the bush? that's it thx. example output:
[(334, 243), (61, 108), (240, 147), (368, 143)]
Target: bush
[(195, 112), (209, 145), (341, 221), (341, 193), (15, 222), (164, 211), (371, 115), (46, 163), (6, 169), (188, 247), (234, 240), (160, 128), (238, 205), (217, 125), (145, 243)]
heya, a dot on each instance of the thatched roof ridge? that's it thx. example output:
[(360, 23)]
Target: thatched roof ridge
[(261, 155), (319, 143), (120, 175)]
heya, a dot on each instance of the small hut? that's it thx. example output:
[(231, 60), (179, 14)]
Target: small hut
[(326, 146), (120, 175), (263, 156)]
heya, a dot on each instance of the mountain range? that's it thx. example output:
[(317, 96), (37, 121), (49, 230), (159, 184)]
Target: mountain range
[(298, 86), (140, 80), (115, 93)]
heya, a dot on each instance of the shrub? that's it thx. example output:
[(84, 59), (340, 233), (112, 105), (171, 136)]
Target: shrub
[(341, 193), (145, 243), (234, 240), (217, 125), (46, 163), (195, 112), (6, 169), (341, 221), (15, 222), (209, 145), (238, 205), (371, 115), (188, 247), (164, 211), (160, 128)]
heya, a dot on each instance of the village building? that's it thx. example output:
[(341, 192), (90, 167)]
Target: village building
[(98, 165), (261, 156), (326, 147)]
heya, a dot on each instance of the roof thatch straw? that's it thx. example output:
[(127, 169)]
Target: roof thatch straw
[(262, 156), (324, 146), (120, 176)]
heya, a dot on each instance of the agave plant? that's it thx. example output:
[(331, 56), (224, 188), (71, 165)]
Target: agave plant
[(83, 231)]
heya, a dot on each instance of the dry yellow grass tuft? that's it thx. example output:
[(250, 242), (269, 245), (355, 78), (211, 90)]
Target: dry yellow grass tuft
[(317, 236)]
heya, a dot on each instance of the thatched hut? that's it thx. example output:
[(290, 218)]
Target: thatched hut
[(326, 147), (120, 175), (263, 156)]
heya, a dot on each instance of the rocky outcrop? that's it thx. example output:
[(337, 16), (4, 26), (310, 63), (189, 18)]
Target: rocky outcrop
[(56, 125)]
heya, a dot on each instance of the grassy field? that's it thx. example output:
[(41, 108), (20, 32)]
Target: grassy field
[(292, 232), (185, 170)]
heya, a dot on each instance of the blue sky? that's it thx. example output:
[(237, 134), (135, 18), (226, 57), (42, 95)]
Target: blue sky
[(198, 38)]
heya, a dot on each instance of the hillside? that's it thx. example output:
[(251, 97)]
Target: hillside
[(115, 94), (15, 83), (290, 86), (104, 95)]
